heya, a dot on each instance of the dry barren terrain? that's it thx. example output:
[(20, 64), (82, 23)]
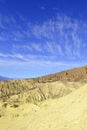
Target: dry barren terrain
[(53, 102)]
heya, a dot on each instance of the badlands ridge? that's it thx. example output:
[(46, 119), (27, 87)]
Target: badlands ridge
[(53, 102)]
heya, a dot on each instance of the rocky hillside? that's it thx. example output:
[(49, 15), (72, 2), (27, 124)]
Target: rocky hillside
[(76, 74), (39, 89)]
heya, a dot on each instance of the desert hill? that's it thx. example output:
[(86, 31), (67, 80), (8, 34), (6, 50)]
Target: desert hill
[(56, 101), (75, 74), (66, 113), (42, 88)]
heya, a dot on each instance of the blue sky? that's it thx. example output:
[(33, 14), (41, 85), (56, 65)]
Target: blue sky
[(39, 37)]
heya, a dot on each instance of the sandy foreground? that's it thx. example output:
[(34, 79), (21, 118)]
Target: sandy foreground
[(66, 113)]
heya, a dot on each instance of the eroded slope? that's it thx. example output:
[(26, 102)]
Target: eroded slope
[(66, 113), (23, 91)]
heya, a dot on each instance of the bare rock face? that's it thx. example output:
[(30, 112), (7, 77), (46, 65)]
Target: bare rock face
[(42, 88)]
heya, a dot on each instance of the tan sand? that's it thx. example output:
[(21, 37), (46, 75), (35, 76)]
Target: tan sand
[(66, 113)]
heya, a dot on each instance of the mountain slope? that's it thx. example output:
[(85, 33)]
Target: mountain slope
[(4, 78), (75, 74), (42, 88), (52, 102), (66, 113)]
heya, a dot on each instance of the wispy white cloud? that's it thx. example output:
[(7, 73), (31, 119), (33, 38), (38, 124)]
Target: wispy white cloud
[(15, 55), (43, 48), (63, 31), (57, 38), (34, 61)]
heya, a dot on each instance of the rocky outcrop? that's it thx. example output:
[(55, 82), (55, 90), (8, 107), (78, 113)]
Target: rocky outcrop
[(25, 91)]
